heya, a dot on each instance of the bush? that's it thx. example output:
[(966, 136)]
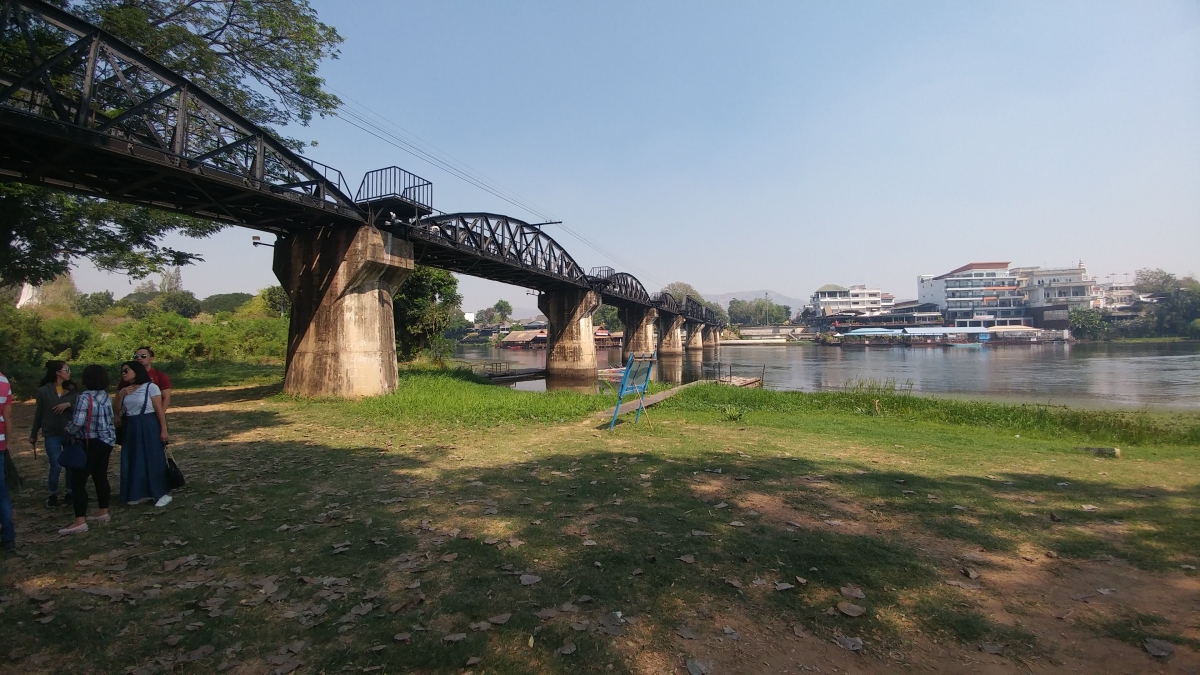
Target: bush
[(66, 338)]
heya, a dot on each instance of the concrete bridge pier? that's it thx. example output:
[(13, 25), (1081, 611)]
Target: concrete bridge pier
[(695, 336), (670, 340), (340, 280), (639, 329), (570, 342), (712, 337)]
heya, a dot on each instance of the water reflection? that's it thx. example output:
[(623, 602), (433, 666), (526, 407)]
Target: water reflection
[(1096, 375)]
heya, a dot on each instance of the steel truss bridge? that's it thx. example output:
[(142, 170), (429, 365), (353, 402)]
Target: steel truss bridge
[(82, 111)]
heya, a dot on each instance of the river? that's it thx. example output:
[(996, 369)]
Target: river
[(1093, 375)]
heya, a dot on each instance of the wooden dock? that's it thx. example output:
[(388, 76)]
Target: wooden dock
[(739, 381), (516, 375)]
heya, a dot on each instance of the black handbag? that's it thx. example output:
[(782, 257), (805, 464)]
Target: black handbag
[(175, 478), (74, 454)]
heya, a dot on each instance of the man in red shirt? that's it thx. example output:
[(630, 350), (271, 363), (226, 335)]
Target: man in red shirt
[(8, 535), (145, 356)]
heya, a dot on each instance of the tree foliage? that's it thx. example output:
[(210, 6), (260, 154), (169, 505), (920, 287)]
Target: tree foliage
[(1087, 324), (606, 315), (424, 307), (503, 309), (183, 303), (93, 303), (224, 302), (680, 290), (260, 58), (757, 312), (1148, 281)]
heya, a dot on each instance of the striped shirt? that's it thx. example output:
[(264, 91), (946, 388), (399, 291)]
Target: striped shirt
[(100, 427), (5, 399)]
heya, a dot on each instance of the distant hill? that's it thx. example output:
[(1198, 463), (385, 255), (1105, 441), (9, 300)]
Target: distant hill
[(723, 299)]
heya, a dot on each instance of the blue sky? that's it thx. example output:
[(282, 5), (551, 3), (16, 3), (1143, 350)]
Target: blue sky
[(743, 146)]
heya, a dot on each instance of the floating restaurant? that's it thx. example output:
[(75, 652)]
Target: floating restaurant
[(930, 336)]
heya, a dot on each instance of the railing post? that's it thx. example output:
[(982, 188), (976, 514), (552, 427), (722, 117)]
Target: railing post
[(89, 78)]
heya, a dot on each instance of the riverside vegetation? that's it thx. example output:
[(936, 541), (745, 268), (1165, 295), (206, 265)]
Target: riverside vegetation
[(455, 524)]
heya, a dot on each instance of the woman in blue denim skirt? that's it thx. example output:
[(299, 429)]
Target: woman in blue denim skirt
[(55, 399), (143, 445)]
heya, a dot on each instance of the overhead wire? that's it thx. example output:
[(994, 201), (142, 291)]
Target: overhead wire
[(430, 154)]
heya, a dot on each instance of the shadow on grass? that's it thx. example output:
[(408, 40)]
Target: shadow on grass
[(339, 549)]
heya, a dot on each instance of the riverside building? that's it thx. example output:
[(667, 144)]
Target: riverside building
[(1052, 286), (834, 299), (976, 295)]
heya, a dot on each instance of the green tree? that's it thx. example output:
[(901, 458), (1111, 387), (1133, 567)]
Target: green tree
[(93, 303), (1087, 323), (485, 316), (606, 315), (277, 299), (1148, 280), (503, 310), (183, 303), (424, 307), (680, 290), (224, 302), (260, 58)]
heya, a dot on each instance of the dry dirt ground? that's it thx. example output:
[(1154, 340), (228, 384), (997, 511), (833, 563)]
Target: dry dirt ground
[(721, 613)]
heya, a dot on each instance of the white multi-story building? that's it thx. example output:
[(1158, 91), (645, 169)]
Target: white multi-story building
[(834, 299), (1069, 286), (978, 294), (1117, 294)]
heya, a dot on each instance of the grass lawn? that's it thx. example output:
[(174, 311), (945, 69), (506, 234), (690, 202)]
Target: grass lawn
[(455, 521)]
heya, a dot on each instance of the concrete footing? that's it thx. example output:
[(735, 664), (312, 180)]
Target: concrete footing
[(712, 337), (670, 338), (695, 336), (342, 339), (639, 330), (570, 342)]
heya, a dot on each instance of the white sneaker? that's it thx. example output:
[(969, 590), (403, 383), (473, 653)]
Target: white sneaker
[(163, 501), (75, 529)]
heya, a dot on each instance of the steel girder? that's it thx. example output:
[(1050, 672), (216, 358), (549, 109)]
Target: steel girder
[(82, 111), (494, 247), (619, 287)]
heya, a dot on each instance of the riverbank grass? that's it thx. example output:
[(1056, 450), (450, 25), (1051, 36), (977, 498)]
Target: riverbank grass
[(395, 534)]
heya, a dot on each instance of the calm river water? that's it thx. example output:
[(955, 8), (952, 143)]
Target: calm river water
[(1156, 376)]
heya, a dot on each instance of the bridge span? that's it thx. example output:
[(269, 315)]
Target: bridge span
[(84, 112)]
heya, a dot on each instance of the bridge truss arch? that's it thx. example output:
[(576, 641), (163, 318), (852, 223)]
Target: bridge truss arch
[(496, 247)]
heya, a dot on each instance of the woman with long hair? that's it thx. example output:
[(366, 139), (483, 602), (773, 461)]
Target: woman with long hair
[(55, 397), (92, 423), (143, 446)]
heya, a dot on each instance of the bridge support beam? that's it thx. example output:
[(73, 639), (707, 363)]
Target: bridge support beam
[(695, 336), (570, 341), (639, 329), (712, 337), (342, 339), (670, 340)]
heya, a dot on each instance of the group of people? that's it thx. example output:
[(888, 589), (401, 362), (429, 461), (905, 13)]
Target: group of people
[(70, 413)]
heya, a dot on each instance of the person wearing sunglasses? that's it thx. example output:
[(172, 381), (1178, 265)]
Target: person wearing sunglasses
[(145, 356), (55, 399), (144, 440)]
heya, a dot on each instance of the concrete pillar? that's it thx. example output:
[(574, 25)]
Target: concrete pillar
[(695, 338), (669, 339), (712, 337), (570, 341), (342, 339), (639, 329)]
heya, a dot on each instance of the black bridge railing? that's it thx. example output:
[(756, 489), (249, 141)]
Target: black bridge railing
[(395, 183)]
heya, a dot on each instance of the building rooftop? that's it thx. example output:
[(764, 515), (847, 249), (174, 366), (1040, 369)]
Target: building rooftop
[(976, 266), (828, 288)]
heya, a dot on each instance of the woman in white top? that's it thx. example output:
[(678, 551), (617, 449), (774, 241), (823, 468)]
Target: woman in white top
[(143, 444)]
